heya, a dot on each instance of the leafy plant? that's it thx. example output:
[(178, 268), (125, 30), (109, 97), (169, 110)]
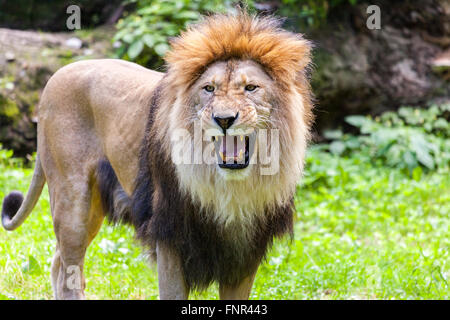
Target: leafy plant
[(7, 160), (408, 139), (143, 35)]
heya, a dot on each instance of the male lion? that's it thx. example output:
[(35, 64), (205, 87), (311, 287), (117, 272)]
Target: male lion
[(106, 148)]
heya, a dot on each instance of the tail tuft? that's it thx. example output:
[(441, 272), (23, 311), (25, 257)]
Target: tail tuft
[(11, 205)]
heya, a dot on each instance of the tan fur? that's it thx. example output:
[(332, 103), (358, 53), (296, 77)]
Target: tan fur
[(98, 109)]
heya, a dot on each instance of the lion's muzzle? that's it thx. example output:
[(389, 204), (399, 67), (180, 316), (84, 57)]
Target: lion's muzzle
[(234, 151)]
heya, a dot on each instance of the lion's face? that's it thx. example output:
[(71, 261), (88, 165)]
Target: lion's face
[(232, 99), (230, 104)]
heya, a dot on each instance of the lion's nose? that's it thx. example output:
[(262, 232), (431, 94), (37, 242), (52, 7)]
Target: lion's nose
[(225, 121)]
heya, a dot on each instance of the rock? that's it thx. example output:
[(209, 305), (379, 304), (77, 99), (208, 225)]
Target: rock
[(27, 61), (73, 43), (117, 44), (441, 64), (9, 86), (10, 56), (362, 71)]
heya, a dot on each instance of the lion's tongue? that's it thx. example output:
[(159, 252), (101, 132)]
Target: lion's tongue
[(232, 148)]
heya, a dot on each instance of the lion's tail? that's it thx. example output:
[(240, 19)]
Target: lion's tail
[(15, 209), (116, 203)]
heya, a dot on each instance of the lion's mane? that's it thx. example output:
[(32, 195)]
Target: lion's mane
[(222, 229)]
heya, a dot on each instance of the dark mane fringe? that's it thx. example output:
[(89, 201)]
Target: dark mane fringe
[(115, 202), (141, 208), (212, 253)]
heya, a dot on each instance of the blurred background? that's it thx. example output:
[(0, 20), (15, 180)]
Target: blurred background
[(373, 207), (357, 70)]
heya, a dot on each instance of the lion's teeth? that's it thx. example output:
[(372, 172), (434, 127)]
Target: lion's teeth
[(242, 138), (240, 154)]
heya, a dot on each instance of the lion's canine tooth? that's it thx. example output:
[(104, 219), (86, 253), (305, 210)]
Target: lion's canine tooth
[(240, 154), (221, 155), (242, 138)]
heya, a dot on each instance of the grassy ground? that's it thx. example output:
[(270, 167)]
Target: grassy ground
[(362, 232)]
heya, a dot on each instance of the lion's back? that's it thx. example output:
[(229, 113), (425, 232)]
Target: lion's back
[(98, 107), (89, 78)]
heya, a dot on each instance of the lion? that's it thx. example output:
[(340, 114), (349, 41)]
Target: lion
[(106, 148)]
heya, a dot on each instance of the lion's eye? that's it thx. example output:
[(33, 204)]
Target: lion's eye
[(209, 88), (250, 87)]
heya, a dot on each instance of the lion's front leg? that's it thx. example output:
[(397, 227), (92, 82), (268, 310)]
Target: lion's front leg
[(238, 292), (172, 285)]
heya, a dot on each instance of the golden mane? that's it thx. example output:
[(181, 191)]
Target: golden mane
[(284, 55)]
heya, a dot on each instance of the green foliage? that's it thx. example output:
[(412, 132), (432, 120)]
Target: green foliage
[(7, 160), (409, 139), (369, 232), (144, 34), (31, 266), (310, 12)]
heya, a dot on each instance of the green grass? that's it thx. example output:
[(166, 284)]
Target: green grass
[(362, 231)]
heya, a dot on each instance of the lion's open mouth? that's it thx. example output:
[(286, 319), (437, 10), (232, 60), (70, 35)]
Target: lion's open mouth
[(234, 152)]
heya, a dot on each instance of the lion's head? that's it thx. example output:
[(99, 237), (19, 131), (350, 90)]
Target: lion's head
[(240, 81)]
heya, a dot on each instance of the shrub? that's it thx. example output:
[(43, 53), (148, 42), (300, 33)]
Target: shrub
[(7, 160), (407, 139), (143, 35)]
